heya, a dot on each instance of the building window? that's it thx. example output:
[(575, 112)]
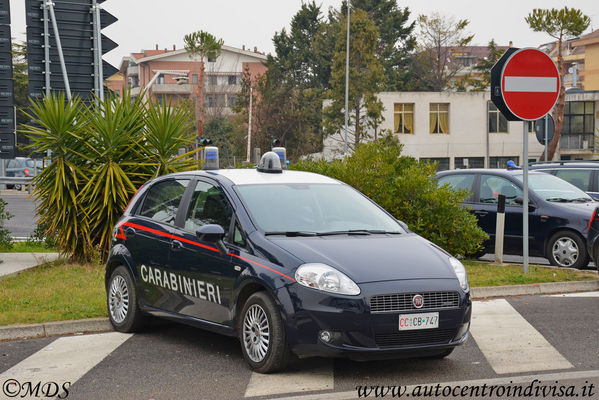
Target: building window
[(439, 118), (213, 80), (210, 100), (501, 162), (211, 59), (194, 79), (579, 125), (403, 118), (160, 80), (442, 162), (469, 162), (232, 100), (232, 80), (497, 122)]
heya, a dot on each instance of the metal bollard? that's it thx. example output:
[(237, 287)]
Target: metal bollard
[(499, 228)]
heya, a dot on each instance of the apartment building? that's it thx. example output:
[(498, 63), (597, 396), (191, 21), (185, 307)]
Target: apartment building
[(172, 74)]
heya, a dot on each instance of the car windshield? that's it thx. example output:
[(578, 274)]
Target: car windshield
[(314, 209), (552, 188)]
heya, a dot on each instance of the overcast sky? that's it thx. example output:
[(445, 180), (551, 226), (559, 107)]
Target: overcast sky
[(145, 23)]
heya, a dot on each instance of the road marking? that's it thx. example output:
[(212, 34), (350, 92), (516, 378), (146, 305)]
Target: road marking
[(506, 380), (511, 344), (314, 374), (530, 84), (579, 294), (66, 359)]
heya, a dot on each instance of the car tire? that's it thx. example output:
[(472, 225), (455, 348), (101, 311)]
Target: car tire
[(121, 301), (567, 249), (262, 334)]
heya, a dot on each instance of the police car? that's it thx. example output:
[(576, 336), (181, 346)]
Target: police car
[(291, 263)]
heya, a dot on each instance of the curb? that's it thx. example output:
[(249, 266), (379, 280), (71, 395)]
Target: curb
[(93, 325), (13, 332), (478, 293)]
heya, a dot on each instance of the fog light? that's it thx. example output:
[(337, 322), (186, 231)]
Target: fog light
[(326, 336)]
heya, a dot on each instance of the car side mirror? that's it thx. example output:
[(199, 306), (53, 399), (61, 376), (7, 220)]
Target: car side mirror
[(403, 225), (211, 233), (520, 200)]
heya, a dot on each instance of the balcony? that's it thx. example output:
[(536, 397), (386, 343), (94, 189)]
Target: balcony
[(133, 70), (584, 142), (159, 88)]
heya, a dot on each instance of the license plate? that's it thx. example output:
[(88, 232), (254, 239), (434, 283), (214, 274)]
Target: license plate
[(409, 322)]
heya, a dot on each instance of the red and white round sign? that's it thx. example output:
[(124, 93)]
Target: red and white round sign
[(529, 84)]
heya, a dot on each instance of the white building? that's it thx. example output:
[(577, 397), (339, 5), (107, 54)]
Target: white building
[(465, 129)]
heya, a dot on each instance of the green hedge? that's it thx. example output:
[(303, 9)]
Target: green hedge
[(407, 189)]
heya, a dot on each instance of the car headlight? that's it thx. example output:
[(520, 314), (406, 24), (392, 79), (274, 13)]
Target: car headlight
[(326, 278), (460, 272)]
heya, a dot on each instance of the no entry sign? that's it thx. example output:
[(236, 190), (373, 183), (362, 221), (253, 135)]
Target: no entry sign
[(529, 84)]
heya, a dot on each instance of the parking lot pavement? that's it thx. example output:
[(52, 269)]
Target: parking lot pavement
[(23, 222), (552, 339)]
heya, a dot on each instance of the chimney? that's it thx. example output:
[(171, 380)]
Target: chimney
[(156, 46), (174, 47), (255, 49), (511, 44), (243, 47)]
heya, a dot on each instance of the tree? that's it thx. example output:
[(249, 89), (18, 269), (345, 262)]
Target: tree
[(559, 24), (439, 37), (205, 45), (366, 78), (484, 66), (396, 40)]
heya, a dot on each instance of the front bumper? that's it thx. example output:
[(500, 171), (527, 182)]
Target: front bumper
[(361, 334)]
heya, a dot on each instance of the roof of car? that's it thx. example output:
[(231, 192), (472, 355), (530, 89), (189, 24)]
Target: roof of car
[(250, 176), (494, 171), (567, 164)]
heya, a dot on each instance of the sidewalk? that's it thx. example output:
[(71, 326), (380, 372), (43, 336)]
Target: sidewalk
[(15, 262)]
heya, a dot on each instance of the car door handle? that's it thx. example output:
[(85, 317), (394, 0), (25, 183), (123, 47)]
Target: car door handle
[(130, 231), (481, 213), (176, 245)]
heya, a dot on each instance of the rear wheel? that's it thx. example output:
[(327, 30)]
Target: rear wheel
[(567, 249), (121, 299), (262, 334)]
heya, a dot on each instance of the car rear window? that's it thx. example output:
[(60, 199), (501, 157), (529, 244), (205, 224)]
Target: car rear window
[(578, 177)]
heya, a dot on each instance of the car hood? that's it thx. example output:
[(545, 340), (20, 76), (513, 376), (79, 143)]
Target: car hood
[(372, 258)]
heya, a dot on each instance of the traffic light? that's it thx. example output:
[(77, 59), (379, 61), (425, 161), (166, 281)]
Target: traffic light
[(78, 23), (7, 102)]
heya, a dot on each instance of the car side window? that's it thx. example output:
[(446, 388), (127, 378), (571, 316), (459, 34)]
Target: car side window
[(577, 177), (238, 236), (492, 186), (208, 206), (458, 182), (161, 203), (12, 164)]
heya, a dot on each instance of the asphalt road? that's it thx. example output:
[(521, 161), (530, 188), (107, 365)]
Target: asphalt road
[(553, 339), (22, 224)]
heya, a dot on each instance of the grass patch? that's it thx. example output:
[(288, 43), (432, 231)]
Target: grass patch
[(52, 292), (486, 274), (27, 247)]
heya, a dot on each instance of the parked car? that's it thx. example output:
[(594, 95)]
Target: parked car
[(288, 262), (21, 167), (582, 174), (560, 214)]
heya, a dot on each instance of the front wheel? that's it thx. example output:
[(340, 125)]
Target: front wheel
[(121, 299), (262, 334), (567, 249)]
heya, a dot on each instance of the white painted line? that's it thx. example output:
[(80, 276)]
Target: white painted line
[(509, 343), (316, 376), (506, 380), (530, 84), (66, 359), (579, 294)]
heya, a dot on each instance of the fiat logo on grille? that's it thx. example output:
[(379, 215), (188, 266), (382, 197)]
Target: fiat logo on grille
[(418, 301)]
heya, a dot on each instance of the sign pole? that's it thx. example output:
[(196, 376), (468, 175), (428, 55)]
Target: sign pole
[(546, 123), (525, 198), (59, 48)]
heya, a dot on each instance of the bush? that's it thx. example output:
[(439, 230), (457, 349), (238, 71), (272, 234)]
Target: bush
[(407, 189), (5, 237)]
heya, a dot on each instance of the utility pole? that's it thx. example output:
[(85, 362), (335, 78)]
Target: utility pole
[(346, 83), (250, 126)]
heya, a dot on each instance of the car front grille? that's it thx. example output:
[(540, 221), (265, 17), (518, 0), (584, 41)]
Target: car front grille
[(415, 338), (403, 301)]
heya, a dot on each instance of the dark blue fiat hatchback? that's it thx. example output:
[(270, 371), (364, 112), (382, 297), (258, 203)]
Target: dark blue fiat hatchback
[(289, 262)]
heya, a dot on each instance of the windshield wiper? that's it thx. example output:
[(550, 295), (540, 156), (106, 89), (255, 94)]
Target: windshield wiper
[(564, 200), (357, 232), (292, 233)]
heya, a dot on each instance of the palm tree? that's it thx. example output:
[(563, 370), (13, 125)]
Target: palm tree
[(205, 45)]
